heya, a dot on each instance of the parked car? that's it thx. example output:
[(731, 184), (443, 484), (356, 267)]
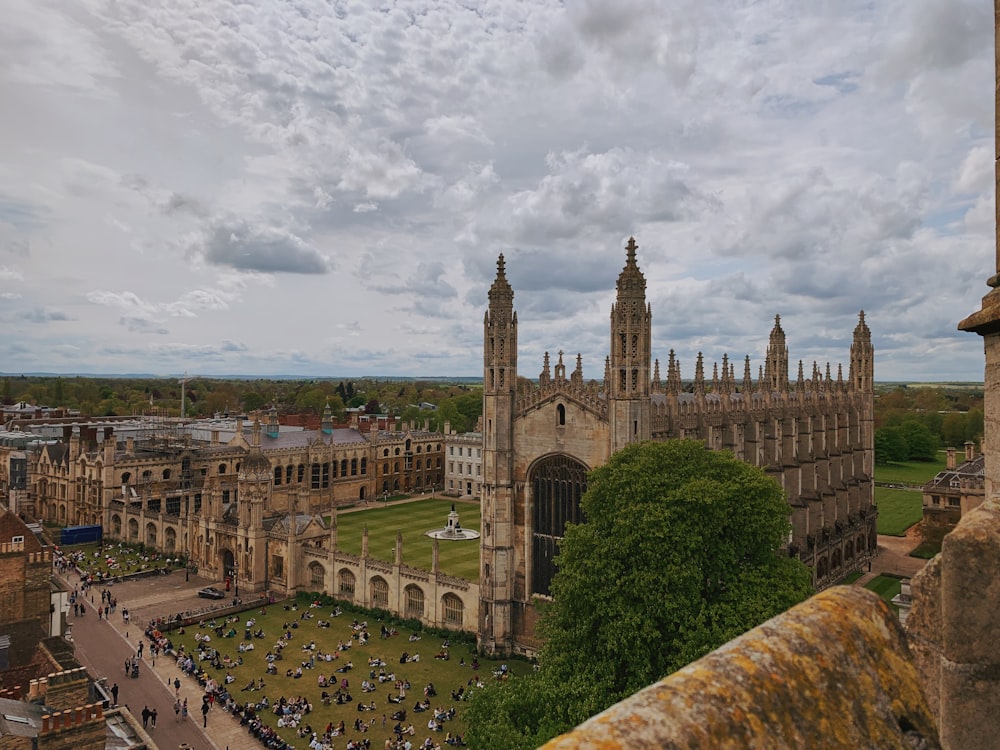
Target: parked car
[(210, 592)]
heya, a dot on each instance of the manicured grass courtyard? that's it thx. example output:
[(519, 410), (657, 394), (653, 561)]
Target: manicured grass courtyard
[(898, 510), (886, 587), (913, 473), (303, 624), (457, 558)]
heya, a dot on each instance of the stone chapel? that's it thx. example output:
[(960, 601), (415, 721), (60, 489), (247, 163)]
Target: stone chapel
[(814, 435)]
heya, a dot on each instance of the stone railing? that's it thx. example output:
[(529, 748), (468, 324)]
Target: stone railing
[(834, 671)]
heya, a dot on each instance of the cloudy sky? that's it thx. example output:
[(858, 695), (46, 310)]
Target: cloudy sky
[(322, 187)]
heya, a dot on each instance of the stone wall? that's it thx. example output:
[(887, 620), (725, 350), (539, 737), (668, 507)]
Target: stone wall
[(834, 671), (952, 625)]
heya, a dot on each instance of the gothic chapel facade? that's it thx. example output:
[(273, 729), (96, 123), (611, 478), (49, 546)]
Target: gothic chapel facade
[(814, 436)]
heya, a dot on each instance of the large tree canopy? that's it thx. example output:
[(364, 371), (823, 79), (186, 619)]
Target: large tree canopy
[(679, 553)]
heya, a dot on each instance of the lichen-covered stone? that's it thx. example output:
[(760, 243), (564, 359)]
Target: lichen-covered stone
[(833, 672)]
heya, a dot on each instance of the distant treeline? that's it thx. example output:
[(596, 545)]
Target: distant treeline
[(913, 423), (460, 404)]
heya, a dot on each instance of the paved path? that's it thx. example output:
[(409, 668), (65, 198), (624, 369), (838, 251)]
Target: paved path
[(103, 646), (894, 556)]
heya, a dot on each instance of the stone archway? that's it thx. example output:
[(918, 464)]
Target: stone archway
[(557, 483), (228, 563)]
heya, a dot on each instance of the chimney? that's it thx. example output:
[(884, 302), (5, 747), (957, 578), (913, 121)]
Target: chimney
[(950, 461), (215, 437), (130, 445), (970, 450)]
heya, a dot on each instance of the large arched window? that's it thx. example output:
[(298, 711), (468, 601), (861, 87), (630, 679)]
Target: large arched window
[(169, 540), (379, 592), (557, 484), (453, 610), (413, 598), (317, 575), (345, 584)]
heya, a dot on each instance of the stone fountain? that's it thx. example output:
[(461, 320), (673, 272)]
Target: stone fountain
[(453, 530)]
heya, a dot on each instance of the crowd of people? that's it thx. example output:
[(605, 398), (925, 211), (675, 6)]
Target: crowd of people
[(263, 716)]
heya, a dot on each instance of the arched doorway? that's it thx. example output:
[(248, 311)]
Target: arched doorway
[(557, 484), (228, 564)]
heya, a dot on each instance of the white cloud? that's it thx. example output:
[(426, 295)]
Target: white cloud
[(215, 170)]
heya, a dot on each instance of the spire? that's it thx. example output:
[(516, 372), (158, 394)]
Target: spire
[(747, 378), (862, 373), (657, 385), (715, 377), (577, 377), (800, 383), (546, 375), (776, 363), (501, 292), (673, 374), (727, 385), (699, 375)]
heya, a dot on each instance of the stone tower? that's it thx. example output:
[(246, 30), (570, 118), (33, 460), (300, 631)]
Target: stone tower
[(862, 372), (499, 391), (776, 363), (630, 358), (254, 494)]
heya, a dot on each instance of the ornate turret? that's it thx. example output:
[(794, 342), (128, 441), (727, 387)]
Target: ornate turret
[(776, 363), (631, 324), (862, 372), (326, 426), (272, 423), (499, 395)]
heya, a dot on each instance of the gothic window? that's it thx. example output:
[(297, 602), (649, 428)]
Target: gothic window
[(343, 467), (385, 452), (288, 474), (453, 609), (345, 584), (501, 348), (314, 476), (635, 345), (635, 380), (413, 598), (301, 473), (222, 468), (277, 475), (557, 484), (326, 475), (166, 474), (560, 415), (317, 575), (379, 592), (354, 467), (385, 468), (623, 344), (364, 465), (501, 378), (623, 378)]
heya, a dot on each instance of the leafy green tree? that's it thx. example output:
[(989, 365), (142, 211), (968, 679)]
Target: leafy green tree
[(891, 445), (680, 552), (923, 443)]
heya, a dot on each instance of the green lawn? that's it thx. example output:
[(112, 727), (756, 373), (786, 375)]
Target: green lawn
[(459, 559), (886, 587), (898, 510), (446, 676), (910, 472)]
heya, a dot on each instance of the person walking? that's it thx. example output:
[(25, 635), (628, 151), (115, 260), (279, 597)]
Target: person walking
[(177, 687), (177, 711), (204, 714), (184, 710), (114, 693), (152, 717), (145, 716)]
